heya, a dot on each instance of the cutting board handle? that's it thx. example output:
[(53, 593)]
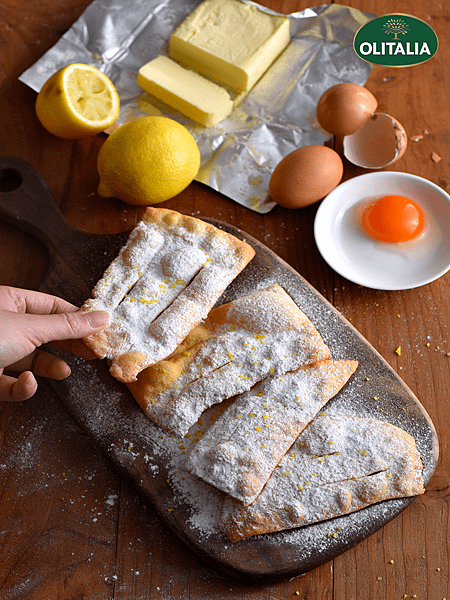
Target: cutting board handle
[(27, 202), (76, 258)]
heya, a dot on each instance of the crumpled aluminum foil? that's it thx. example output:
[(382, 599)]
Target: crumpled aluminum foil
[(240, 153)]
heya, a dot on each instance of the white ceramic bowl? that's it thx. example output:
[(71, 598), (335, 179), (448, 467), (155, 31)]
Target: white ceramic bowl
[(345, 246)]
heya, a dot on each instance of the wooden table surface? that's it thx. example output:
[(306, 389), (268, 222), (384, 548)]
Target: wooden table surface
[(70, 527)]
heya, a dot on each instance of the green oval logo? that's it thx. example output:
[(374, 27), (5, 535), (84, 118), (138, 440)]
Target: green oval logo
[(395, 40)]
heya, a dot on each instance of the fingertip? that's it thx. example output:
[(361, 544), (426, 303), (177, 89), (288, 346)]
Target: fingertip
[(61, 371), (24, 388), (97, 318), (47, 365)]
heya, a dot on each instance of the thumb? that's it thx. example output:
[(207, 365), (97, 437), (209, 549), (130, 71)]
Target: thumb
[(66, 326)]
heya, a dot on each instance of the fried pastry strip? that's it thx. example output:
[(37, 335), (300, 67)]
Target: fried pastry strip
[(338, 465), (164, 281)]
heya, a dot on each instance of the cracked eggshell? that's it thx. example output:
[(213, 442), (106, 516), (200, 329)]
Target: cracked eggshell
[(344, 108), (377, 144)]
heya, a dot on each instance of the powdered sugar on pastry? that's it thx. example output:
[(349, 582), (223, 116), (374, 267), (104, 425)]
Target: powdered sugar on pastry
[(339, 464), (164, 281), (239, 344), (242, 448)]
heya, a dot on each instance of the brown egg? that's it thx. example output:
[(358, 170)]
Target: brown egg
[(305, 176), (345, 108)]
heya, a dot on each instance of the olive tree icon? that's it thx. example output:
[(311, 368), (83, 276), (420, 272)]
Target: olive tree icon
[(396, 27)]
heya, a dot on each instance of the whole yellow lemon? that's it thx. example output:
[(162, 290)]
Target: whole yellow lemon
[(77, 101), (147, 160)]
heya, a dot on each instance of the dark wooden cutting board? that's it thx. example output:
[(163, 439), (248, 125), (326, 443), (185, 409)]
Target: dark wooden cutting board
[(149, 457)]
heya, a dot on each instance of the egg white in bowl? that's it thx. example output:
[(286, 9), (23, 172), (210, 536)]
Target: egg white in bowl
[(352, 253)]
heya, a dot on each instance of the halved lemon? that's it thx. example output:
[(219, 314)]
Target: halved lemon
[(77, 101)]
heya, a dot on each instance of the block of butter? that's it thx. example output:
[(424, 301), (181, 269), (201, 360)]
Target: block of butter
[(230, 42), (196, 97)]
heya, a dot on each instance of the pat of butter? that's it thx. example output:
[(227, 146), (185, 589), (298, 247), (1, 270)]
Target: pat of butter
[(230, 42), (196, 97)]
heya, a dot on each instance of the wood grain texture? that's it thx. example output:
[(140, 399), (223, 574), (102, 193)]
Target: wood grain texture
[(103, 541)]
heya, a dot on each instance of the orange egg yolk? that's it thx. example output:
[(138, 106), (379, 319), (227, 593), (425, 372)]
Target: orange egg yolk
[(393, 219)]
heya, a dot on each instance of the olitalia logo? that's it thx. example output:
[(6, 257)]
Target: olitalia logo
[(395, 41)]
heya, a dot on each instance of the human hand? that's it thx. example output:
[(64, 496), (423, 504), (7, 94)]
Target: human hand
[(29, 319)]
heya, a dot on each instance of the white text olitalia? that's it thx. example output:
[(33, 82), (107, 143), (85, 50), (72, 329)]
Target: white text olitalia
[(394, 48)]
